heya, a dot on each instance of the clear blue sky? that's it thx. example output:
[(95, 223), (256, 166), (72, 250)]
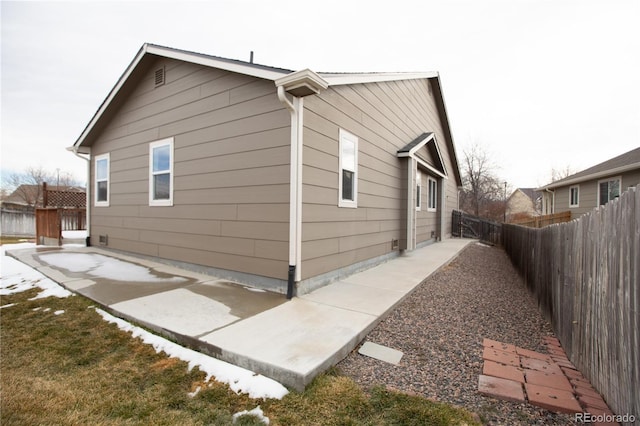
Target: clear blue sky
[(539, 84)]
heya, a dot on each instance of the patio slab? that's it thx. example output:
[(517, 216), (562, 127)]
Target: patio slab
[(289, 341)]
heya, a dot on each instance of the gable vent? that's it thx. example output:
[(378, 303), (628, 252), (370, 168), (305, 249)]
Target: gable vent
[(159, 77)]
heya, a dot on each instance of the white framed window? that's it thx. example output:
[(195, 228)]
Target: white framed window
[(574, 196), (348, 173), (608, 189), (102, 190), (418, 190), (161, 173), (432, 200)]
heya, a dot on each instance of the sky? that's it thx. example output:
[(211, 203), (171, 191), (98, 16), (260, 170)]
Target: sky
[(537, 84)]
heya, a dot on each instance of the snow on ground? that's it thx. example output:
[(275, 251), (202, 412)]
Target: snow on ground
[(74, 235), (238, 379), (18, 277), (104, 266), (256, 412)]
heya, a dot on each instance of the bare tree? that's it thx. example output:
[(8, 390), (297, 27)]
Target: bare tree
[(482, 189), (557, 174), (28, 184)]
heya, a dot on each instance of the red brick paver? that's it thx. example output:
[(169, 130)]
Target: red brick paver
[(502, 357), (500, 388), (552, 399), (550, 380), (556, 381), (495, 369)]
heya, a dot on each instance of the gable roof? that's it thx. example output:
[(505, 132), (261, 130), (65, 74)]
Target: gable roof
[(412, 148), (149, 52), (620, 164)]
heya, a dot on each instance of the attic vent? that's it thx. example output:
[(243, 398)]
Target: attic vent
[(159, 77)]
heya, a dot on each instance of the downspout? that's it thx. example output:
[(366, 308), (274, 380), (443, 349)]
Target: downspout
[(553, 199), (88, 191), (295, 190)]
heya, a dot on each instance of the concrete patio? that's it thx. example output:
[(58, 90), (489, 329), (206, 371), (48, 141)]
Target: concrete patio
[(289, 341)]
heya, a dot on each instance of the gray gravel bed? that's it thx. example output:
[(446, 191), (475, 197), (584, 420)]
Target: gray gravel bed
[(440, 328)]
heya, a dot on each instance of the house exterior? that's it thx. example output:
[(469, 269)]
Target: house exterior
[(523, 203), (583, 191), (279, 179)]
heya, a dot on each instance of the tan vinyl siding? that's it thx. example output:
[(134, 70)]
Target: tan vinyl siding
[(385, 117), (231, 171), (588, 199)]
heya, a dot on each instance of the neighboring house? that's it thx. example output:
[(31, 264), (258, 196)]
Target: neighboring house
[(283, 180), (582, 192), (28, 197), (523, 203)]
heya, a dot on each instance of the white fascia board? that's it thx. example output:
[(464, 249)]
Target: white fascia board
[(337, 79), (305, 75), (412, 154), (592, 176), (240, 68), (430, 168)]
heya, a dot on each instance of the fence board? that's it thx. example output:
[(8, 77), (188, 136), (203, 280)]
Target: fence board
[(48, 230), (17, 223), (585, 276)]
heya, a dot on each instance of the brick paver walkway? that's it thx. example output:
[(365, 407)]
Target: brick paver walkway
[(548, 380)]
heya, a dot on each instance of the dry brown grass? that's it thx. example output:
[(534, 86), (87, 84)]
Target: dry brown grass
[(76, 369)]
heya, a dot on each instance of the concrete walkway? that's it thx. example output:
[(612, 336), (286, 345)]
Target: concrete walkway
[(289, 341)]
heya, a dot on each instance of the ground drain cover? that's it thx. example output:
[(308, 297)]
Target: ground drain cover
[(380, 352)]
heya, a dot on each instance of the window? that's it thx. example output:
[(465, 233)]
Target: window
[(348, 174), (161, 173), (574, 196), (608, 190), (432, 203), (418, 190), (102, 180)]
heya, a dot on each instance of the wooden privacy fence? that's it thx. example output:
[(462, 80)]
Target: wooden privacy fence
[(17, 223), (585, 275), (545, 220), (73, 219), (48, 229)]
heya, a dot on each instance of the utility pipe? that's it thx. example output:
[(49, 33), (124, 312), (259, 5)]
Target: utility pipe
[(88, 190), (295, 190)]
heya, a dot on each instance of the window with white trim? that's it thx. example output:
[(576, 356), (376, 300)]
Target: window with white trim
[(161, 173), (348, 173), (574, 196), (418, 190), (608, 190), (102, 180), (432, 201)]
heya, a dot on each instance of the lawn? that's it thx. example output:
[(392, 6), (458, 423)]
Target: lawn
[(62, 363)]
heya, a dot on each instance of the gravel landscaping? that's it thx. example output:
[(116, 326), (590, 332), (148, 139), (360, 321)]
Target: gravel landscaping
[(440, 328)]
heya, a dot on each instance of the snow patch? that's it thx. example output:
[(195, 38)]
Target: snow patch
[(256, 412), (102, 266), (60, 312), (239, 379), (6, 306), (18, 277)]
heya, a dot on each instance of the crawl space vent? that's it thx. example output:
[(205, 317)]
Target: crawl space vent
[(103, 240), (159, 77)]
